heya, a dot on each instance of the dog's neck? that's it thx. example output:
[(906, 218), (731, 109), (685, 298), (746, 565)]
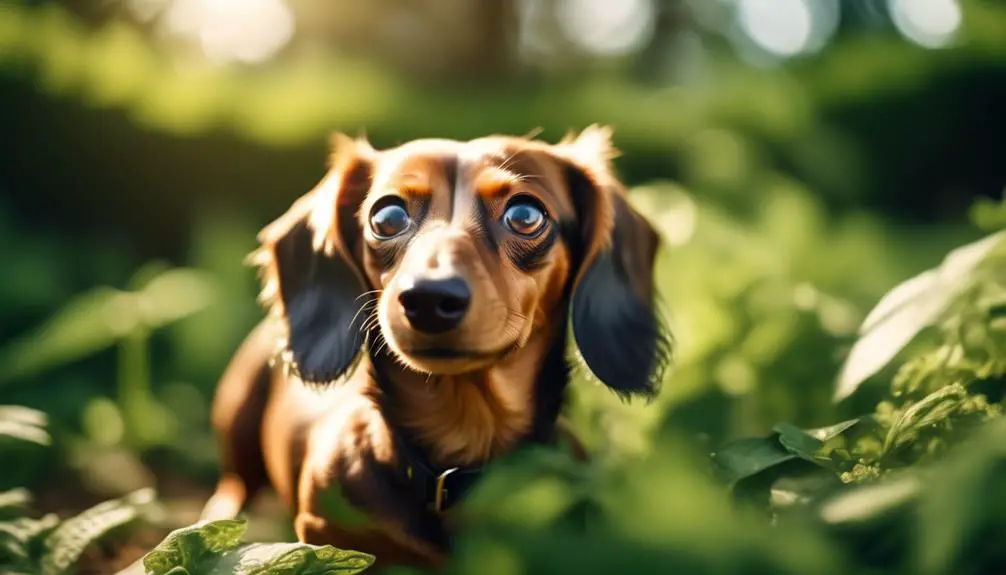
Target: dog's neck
[(464, 419)]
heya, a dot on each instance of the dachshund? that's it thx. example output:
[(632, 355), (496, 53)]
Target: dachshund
[(420, 302)]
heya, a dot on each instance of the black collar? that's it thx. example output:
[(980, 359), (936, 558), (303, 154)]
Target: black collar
[(437, 488)]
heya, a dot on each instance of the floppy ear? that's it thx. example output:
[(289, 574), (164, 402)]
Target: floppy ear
[(310, 260), (618, 331)]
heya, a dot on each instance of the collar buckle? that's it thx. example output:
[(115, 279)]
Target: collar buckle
[(441, 492)]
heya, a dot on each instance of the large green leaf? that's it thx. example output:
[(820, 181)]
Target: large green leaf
[(292, 559), (908, 309), (211, 547), (194, 545)]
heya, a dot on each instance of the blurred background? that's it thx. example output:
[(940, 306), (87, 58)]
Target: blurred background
[(800, 158)]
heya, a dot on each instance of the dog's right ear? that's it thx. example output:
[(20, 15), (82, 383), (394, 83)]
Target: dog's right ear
[(311, 266)]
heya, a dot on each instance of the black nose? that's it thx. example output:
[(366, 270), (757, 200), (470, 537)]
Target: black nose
[(436, 306)]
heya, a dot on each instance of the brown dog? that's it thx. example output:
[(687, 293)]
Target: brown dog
[(454, 267)]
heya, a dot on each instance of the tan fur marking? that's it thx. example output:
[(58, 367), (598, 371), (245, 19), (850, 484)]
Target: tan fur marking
[(472, 417), (493, 182)]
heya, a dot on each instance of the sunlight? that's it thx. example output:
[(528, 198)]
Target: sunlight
[(928, 23), (782, 27), (606, 27), (233, 30)]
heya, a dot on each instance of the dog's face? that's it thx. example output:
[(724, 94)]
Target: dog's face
[(460, 251), (465, 243)]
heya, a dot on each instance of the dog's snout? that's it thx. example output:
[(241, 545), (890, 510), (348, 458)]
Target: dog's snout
[(436, 306)]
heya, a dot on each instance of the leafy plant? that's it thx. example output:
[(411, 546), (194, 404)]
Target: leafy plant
[(106, 317), (215, 547), (51, 546), (841, 498), (914, 305)]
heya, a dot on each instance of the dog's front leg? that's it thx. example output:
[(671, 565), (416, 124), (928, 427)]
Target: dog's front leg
[(351, 496)]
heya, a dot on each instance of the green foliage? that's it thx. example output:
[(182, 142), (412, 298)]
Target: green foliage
[(758, 313), (836, 499), (759, 316), (912, 306), (51, 546), (103, 317), (737, 466), (215, 547), (117, 67), (68, 540)]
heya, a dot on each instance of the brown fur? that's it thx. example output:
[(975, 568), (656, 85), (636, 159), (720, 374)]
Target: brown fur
[(490, 384)]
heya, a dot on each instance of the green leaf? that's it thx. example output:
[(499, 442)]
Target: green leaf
[(749, 456), (798, 441), (292, 559), (173, 295), (825, 434), (66, 543), (211, 547), (907, 309), (97, 319), (19, 538), (87, 324), (929, 410), (189, 547)]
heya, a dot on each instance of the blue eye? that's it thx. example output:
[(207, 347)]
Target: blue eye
[(525, 217), (389, 218)]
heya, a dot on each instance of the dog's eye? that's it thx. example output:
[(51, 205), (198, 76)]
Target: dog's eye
[(525, 217), (389, 218)]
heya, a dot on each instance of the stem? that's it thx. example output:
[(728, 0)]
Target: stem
[(134, 383)]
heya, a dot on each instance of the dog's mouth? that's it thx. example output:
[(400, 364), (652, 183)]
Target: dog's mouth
[(448, 360), (453, 353)]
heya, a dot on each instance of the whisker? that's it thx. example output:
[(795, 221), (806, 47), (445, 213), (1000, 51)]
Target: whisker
[(527, 177), (372, 320), (358, 312), (506, 160), (382, 343), (367, 293)]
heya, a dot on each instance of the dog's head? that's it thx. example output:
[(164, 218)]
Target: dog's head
[(459, 251)]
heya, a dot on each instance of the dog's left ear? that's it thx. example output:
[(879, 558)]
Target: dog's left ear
[(618, 330), (311, 264)]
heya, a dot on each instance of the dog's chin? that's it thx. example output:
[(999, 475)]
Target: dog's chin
[(448, 360)]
